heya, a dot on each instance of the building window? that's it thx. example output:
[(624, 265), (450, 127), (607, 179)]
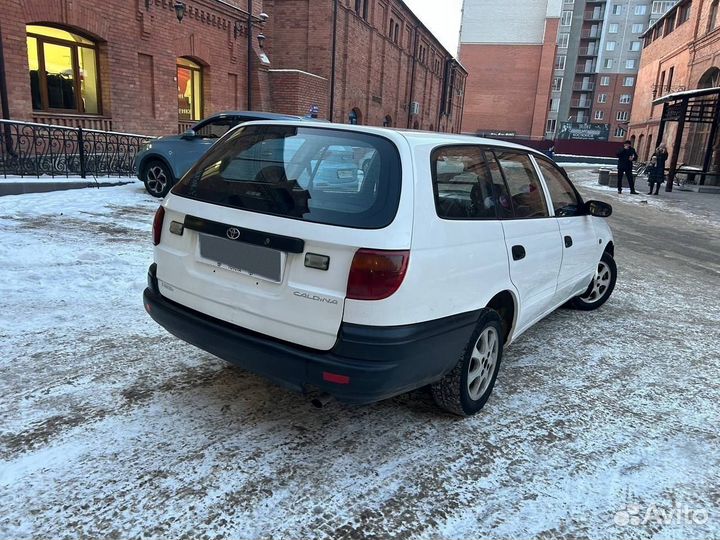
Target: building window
[(560, 62), (671, 73), (634, 46), (557, 84), (670, 23), (638, 28), (602, 98), (660, 7), (684, 13), (613, 28), (641, 9), (599, 115), (625, 98), (189, 83), (712, 16), (387, 122), (566, 19), (616, 9), (610, 45), (554, 105), (361, 8), (563, 40), (622, 116), (630, 63), (628, 81), (604, 81), (551, 125), (63, 71), (619, 132), (608, 63), (568, 2)]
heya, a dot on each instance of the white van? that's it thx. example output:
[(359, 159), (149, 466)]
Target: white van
[(426, 257)]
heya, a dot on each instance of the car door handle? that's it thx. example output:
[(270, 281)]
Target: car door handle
[(518, 252), (568, 241)]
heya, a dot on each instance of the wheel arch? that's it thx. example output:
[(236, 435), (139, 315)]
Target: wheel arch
[(506, 304), (610, 248), (156, 157)]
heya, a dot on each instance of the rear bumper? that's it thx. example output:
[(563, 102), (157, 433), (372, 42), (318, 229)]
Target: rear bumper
[(368, 363)]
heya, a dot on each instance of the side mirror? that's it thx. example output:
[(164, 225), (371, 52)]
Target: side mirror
[(189, 134), (598, 209)]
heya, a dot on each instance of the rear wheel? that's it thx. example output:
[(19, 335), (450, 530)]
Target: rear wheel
[(466, 389), (601, 286), (157, 177)]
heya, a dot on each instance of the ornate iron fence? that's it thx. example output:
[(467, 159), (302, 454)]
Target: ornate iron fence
[(29, 149)]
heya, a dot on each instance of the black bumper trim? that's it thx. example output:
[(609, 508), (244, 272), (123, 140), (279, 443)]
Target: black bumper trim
[(380, 362)]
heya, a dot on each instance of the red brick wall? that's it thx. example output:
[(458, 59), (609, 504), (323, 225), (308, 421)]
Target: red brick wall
[(502, 87), (612, 106), (138, 52), (373, 74)]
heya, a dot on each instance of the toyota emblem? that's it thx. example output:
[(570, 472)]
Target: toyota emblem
[(233, 233)]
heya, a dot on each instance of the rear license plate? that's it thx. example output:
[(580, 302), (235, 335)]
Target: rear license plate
[(241, 257)]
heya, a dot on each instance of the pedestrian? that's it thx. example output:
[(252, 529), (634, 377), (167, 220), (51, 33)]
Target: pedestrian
[(626, 157), (656, 176), (550, 152)]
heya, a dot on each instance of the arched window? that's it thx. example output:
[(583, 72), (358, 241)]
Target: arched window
[(416, 125), (712, 16), (387, 122), (190, 84), (710, 79), (641, 139), (355, 116), (431, 128), (63, 71)]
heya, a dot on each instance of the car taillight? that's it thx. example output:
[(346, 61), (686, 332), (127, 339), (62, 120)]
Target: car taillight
[(157, 225), (375, 275)]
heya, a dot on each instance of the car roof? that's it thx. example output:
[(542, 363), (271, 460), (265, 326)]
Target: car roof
[(259, 115), (416, 137)]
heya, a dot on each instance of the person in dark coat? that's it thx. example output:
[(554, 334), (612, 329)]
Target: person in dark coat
[(550, 152), (626, 157), (656, 175)]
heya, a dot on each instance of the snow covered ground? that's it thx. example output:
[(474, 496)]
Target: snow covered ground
[(602, 425)]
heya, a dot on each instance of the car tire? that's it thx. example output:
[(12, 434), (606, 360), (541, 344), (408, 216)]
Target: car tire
[(157, 177), (466, 389), (600, 288)]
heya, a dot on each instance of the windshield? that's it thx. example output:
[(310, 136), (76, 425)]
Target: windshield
[(323, 175)]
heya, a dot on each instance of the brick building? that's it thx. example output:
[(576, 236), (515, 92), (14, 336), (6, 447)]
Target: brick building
[(508, 48), (681, 53), (133, 67)]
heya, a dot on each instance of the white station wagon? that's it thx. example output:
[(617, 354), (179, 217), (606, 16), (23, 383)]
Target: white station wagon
[(427, 256)]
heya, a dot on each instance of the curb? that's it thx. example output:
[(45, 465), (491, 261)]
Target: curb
[(21, 188)]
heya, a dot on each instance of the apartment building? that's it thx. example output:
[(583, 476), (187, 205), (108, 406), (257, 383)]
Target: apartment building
[(596, 66)]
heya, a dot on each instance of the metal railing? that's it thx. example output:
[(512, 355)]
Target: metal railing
[(30, 149)]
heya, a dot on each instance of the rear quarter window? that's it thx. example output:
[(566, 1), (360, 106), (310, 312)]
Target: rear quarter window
[(329, 176)]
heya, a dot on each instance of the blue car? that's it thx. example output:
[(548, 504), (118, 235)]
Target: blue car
[(163, 161)]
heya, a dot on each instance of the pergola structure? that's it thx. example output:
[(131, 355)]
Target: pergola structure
[(701, 106)]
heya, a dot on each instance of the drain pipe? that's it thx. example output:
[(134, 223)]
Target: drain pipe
[(4, 104)]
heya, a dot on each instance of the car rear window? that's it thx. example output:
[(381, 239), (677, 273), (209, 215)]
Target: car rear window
[(329, 176)]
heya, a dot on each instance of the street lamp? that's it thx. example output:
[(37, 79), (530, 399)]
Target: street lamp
[(179, 10)]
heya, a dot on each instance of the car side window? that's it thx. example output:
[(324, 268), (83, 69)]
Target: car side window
[(563, 197), (463, 183), (216, 128), (528, 199)]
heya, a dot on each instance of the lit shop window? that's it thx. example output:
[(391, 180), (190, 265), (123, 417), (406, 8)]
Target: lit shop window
[(63, 71), (189, 82)]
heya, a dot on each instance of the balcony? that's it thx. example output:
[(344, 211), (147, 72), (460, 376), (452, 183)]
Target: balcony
[(588, 51), (581, 69), (597, 15), (580, 104), (590, 33), (584, 86)]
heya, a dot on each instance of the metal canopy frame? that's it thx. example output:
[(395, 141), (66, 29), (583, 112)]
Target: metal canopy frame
[(700, 106)]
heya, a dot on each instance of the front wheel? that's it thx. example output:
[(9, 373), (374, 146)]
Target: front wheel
[(157, 177), (466, 389), (601, 286)]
